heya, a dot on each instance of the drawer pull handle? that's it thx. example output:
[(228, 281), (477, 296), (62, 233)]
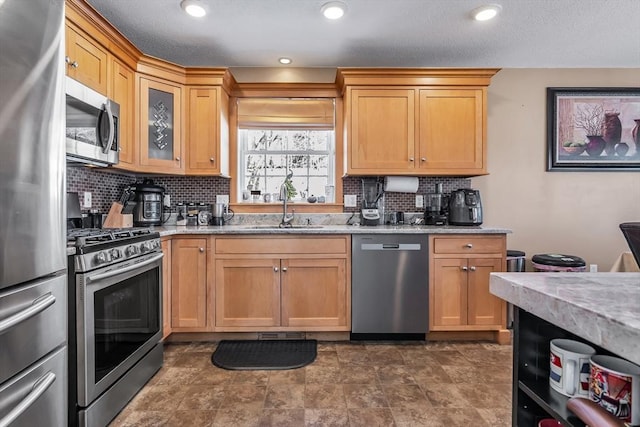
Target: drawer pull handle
[(39, 387), (468, 245), (38, 305), (276, 269)]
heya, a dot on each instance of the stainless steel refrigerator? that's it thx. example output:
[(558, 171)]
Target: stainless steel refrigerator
[(33, 283)]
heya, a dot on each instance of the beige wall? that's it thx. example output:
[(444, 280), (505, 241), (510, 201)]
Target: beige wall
[(567, 212)]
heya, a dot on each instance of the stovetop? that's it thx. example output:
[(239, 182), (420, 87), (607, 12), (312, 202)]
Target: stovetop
[(87, 237)]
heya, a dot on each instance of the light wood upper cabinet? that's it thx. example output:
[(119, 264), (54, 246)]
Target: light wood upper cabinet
[(451, 129), (415, 121), (160, 126), (86, 60), (189, 284), (122, 90), (382, 126), (459, 296), (207, 132)]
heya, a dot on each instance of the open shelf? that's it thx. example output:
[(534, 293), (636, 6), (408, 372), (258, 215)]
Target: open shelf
[(551, 402)]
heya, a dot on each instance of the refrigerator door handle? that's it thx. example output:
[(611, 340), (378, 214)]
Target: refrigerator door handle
[(39, 387), (38, 305)]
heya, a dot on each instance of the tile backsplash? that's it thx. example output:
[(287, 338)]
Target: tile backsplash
[(106, 186)]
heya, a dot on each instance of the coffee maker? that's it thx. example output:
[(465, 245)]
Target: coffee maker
[(436, 207), (465, 207), (372, 191)]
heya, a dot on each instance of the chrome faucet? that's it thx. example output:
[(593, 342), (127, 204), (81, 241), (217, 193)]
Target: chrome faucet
[(286, 218)]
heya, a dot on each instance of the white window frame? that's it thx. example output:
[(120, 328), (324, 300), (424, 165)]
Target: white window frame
[(243, 150)]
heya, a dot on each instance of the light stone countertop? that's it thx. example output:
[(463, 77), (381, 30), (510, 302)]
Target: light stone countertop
[(603, 308), (327, 229)]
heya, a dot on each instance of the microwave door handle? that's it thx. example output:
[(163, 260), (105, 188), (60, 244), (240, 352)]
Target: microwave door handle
[(112, 127)]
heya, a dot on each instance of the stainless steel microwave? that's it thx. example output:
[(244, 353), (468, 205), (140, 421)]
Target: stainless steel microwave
[(92, 126)]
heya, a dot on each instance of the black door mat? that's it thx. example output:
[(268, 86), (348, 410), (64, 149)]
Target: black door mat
[(264, 355)]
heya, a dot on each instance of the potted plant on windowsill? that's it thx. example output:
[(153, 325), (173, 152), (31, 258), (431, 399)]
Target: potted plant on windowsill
[(590, 118)]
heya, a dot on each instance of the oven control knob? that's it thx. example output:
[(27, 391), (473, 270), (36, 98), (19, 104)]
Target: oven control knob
[(131, 251), (101, 258), (146, 247), (115, 254)]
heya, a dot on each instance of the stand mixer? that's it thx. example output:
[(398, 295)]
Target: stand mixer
[(372, 191)]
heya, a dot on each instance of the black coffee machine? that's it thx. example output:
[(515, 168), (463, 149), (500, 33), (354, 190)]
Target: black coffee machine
[(436, 207), (148, 199), (465, 207)]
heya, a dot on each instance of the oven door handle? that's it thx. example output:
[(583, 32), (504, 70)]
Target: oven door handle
[(124, 270), (38, 389), (38, 305)]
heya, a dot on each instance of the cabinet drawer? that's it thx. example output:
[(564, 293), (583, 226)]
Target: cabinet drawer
[(468, 245), (269, 244)]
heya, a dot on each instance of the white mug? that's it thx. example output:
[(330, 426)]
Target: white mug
[(615, 385), (569, 367)]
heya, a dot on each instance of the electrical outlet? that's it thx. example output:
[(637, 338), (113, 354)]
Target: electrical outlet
[(222, 198), (593, 268), (419, 201), (350, 200), (167, 201), (86, 200)]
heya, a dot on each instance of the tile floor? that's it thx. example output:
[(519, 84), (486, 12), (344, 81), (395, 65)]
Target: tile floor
[(349, 384)]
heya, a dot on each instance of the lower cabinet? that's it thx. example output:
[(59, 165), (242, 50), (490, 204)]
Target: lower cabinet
[(459, 296), (261, 291), (189, 296), (166, 287)]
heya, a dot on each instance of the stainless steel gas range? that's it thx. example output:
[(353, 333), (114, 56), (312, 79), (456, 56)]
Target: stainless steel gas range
[(115, 320)]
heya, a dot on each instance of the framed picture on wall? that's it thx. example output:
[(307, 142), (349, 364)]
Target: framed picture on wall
[(593, 129)]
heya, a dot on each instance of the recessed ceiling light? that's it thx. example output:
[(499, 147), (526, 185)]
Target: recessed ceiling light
[(195, 8), (285, 61), (484, 13), (334, 9)]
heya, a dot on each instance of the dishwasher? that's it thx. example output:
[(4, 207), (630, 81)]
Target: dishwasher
[(389, 286)]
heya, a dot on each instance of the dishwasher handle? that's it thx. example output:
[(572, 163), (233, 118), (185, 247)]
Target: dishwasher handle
[(391, 246)]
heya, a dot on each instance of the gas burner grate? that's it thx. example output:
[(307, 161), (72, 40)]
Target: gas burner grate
[(83, 237)]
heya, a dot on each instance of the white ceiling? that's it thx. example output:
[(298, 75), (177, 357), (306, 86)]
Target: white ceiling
[(385, 33)]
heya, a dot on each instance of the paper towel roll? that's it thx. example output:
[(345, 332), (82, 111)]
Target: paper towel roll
[(401, 184)]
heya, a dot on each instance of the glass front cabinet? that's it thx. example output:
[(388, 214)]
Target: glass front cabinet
[(160, 126)]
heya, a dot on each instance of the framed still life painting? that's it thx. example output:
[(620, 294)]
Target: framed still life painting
[(593, 129)]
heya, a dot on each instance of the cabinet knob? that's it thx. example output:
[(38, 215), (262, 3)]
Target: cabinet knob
[(276, 269), (67, 60), (284, 269), (411, 159), (212, 159), (464, 268), (423, 159), (201, 249), (177, 159), (472, 268), (74, 64), (468, 245)]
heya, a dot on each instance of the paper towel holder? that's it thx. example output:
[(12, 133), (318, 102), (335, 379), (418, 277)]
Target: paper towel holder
[(401, 184)]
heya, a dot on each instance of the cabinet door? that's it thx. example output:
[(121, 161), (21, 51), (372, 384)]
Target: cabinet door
[(451, 129), (166, 288), (382, 130), (483, 307), (314, 293), (449, 303), (86, 60), (122, 91), (160, 126), (189, 283), (203, 132), (247, 292)]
